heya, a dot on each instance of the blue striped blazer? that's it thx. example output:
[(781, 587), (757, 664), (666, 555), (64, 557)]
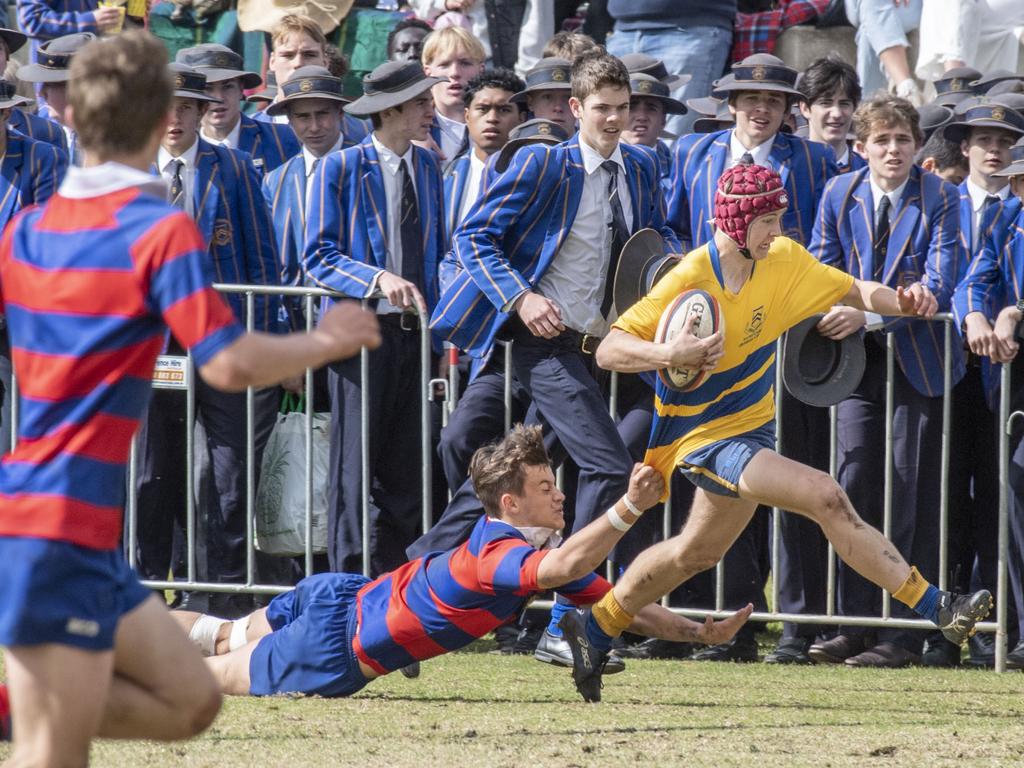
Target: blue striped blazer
[(284, 190), (269, 144), (924, 247), (235, 222), (346, 243), (967, 227), (511, 236), (994, 278), (38, 128), (699, 160), (30, 172)]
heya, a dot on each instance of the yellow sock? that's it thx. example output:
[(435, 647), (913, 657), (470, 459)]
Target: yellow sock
[(610, 616), (913, 589)]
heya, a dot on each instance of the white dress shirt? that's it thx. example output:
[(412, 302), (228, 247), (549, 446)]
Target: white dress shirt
[(311, 162), (471, 191), (230, 141), (570, 279), (453, 133), (877, 193), (165, 163), (978, 196), (389, 165), (759, 153)]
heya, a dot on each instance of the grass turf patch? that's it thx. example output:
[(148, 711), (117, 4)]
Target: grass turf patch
[(480, 709)]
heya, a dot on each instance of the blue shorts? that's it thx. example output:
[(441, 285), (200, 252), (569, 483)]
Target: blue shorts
[(58, 592), (310, 650), (717, 467)]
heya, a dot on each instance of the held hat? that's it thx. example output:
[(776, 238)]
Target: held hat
[(12, 38), (218, 63), (550, 74), (642, 263), (760, 72), (189, 83), (55, 59), (641, 63), (535, 131), (817, 370), (9, 96), (390, 84), (647, 87), (747, 192), (308, 83)]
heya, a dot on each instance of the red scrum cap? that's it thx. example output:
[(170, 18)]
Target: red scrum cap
[(746, 192)]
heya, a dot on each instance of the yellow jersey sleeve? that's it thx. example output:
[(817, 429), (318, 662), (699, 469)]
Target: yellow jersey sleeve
[(812, 287)]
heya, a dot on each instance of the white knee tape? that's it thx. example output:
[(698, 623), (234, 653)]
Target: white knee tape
[(238, 629), (204, 634)]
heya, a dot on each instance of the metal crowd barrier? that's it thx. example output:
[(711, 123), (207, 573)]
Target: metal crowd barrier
[(449, 388)]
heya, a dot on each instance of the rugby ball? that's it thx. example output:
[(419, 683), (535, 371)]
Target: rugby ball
[(674, 319)]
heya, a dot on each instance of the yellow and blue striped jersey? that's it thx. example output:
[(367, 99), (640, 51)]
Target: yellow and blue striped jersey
[(786, 287)]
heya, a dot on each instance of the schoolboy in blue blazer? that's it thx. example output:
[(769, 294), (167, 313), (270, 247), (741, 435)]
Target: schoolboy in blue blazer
[(538, 256), (375, 226), (759, 94), (897, 224), (220, 189)]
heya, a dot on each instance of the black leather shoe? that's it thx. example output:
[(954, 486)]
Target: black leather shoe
[(982, 648), (653, 648), (527, 640), (887, 655), (1015, 658), (742, 649), (505, 636), (939, 652), (790, 650), (555, 650), (839, 648)]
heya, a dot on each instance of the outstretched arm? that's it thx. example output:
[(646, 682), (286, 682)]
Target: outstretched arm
[(915, 301)]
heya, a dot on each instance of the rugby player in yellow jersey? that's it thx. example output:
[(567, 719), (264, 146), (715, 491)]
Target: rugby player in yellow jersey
[(721, 435)]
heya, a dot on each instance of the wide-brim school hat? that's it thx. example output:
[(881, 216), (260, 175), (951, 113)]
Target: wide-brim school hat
[(641, 63), (269, 92), (189, 83), (721, 119), (932, 117), (996, 76), (535, 131), (391, 84), (821, 371), (955, 86), (1016, 166), (648, 87), (9, 96), (55, 59), (550, 74), (990, 114), (218, 63), (760, 72), (309, 83), (13, 39), (642, 263)]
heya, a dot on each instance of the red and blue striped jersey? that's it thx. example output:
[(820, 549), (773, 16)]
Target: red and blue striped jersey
[(444, 601), (89, 284)]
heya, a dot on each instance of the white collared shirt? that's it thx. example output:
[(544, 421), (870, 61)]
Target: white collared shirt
[(453, 133), (844, 160), (164, 162), (759, 153), (98, 180), (231, 141), (471, 191), (311, 161), (978, 196), (877, 193), (575, 280), (389, 165)]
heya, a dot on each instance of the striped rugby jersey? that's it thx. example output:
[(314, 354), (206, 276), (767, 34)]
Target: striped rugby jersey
[(446, 600), (89, 283), (786, 287)]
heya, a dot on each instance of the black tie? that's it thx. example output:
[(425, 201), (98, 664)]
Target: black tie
[(881, 239), (747, 159), (411, 234), (990, 200), (176, 194), (618, 230)]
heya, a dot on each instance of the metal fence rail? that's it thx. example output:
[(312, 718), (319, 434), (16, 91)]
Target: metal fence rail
[(449, 387)]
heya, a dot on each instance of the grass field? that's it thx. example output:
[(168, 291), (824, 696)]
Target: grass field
[(486, 711)]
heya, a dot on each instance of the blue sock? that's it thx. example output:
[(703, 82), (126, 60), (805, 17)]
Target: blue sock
[(596, 636), (928, 606), (558, 610)]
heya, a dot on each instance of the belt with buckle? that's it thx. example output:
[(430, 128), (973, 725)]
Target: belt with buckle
[(586, 343), (404, 321)]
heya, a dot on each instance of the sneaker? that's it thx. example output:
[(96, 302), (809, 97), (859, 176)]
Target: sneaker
[(588, 663), (959, 613), (555, 650)]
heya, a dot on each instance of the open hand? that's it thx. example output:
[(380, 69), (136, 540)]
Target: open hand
[(916, 300), (840, 322)]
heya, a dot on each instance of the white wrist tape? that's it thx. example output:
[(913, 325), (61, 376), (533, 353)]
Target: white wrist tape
[(204, 634), (237, 639), (631, 506), (617, 522)]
